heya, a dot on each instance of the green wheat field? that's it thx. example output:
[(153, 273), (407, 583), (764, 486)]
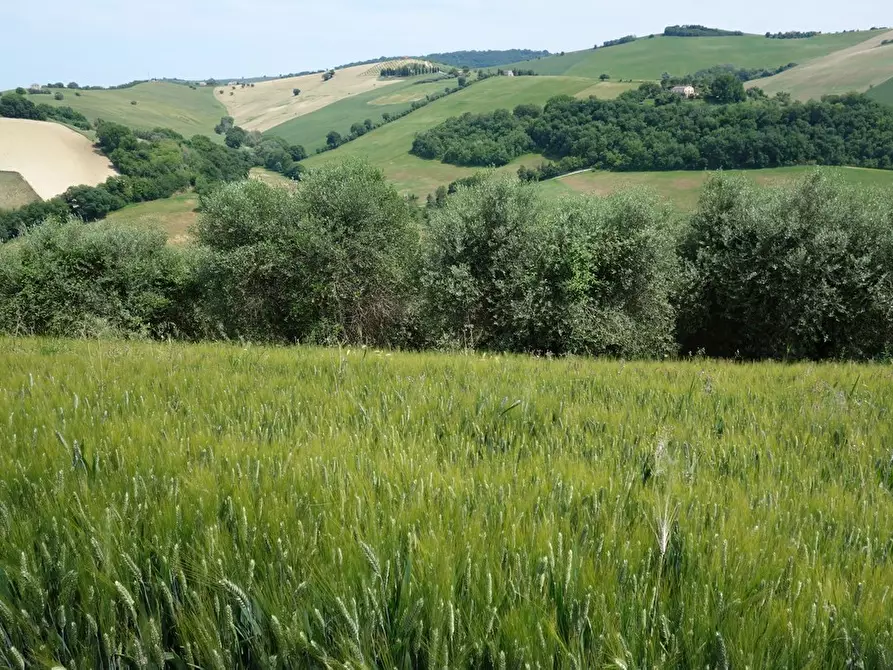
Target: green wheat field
[(224, 506)]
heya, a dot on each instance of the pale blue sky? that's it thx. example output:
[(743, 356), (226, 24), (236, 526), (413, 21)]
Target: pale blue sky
[(112, 41)]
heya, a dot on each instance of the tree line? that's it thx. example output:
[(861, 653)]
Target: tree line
[(703, 79), (800, 271), (649, 129), (409, 70), (699, 31), (17, 106), (485, 59), (793, 35)]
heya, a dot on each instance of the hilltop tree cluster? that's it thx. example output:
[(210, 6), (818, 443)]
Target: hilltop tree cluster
[(620, 40), (793, 35), (801, 271), (635, 133), (475, 60), (409, 70), (699, 31)]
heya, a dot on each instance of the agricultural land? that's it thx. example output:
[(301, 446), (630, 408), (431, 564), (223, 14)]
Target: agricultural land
[(15, 191)]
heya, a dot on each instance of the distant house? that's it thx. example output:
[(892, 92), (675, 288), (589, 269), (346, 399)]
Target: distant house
[(35, 87), (509, 73), (684, 91)]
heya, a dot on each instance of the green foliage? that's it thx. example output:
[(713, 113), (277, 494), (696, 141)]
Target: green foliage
[(627, 134), (331, 261), (622, 40), (503, 271), (226, 124), (235, 137), (793, 35), (800, 272), (58, 95), (484, 59), (699, 31), (726, 89), (68, 278), (16, 106)]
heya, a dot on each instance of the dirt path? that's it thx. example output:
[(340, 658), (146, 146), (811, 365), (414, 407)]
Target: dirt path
[(50, 157)]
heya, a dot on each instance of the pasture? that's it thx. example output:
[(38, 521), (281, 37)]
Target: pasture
[(883, 93), (227, 506), (15, 191), (682, 189), (649, 58), (50, 157), (159, 105), (388, 147), (856, 68), (175, 215)]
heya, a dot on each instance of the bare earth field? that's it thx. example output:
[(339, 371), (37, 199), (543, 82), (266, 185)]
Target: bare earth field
[(271, 103), (857, 68), (50, 157)]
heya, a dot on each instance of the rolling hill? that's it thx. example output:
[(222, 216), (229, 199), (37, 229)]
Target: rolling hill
[(856, 68), (648, 58), (272, 103), (388, 147), (50, 157), (15, 192), (159, 104), (883, 93)]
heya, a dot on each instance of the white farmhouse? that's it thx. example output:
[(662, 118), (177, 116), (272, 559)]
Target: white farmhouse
[(684, 91)]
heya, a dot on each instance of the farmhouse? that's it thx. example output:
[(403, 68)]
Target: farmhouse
[(509, 73), (684, 91)]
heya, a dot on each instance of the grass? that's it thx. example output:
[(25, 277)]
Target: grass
[(159, 104), (311, 129), (15, 191), (883, 93), (388, 147), (649, 58), (855, 69), (174, 215), (224, 506), (683, 188)]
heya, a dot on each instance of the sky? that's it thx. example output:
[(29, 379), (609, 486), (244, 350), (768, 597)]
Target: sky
[(103, 42)]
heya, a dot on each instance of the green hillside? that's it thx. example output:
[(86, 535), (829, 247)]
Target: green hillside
[(15, 191), (857, 68), (683, 188), (311, 129), (159, 104), (648, 58), (883, 93), (388, 147)]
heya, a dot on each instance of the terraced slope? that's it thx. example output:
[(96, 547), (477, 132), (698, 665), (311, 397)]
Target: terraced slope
[(649, 58), (856, 68)]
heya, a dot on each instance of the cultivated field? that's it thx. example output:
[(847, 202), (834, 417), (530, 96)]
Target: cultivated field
[(175, 215), (649, 58), (854, 69), (50, 157), (159, 105), (388, 147), (15, 191), (683, 188), (235, 506), (310, 129), (883, 93), (271, 103)]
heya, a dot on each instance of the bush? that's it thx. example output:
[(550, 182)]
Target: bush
[(332, 261), (795, 272), (503, 271), (70, 278), (58, 95)]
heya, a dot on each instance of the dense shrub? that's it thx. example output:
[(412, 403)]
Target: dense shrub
[(68, 278), (502, 270), (801, 271), (331, 261), (475, 140)]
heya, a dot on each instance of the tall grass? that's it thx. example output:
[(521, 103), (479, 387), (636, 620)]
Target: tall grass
[(170, 505)]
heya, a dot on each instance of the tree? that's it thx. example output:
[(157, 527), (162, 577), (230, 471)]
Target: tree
[(726, 89), (604, 77), (334, 139), (235, 137), (463, 82), (58, 95), (21, 91), (296, 92), (328, 74), (297, 152), (369, 125), (226, 123), (73, 85)]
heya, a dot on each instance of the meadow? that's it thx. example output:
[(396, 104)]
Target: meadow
[(15, 191), (649, 58), (883, 92), (159, 105), (175, 215), (388, 147), (226, 506), (683, 188)]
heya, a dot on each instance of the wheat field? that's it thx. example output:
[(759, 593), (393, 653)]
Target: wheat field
[(224, 506)]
